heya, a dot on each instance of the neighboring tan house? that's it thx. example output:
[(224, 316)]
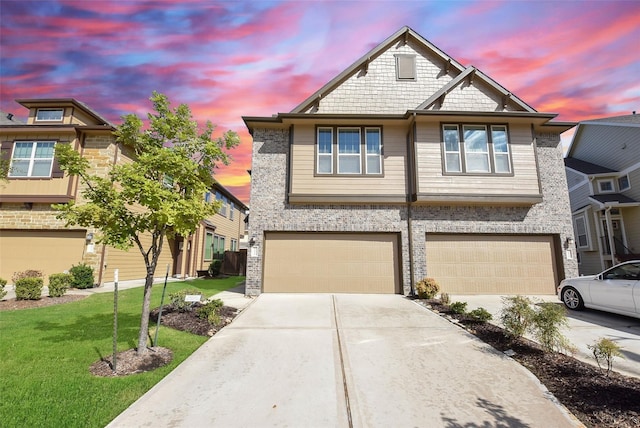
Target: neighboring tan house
[(30, 235), (603, 175), (409, 165)]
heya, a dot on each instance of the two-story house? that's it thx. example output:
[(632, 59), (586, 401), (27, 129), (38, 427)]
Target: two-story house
[(603, 175), (408, 165), (31, 237)]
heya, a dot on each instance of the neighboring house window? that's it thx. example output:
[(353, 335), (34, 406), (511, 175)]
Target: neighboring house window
[(167, 181), (605, 186), (234, 245), (349, 151), (207, 197), (373, 150), (358, 151), (406, 67), (223, 199), (49, 115), (208, 246), (32, 159), (623, 183), (582, 236), (471, 149), (325, 151), (232, 208), (218, 246)]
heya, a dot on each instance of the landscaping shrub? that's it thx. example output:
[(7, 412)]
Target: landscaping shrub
[(59, 283), (214, 268), (517, 315), (458, 307), (427, 288), (177, 299), (82, 276), (3, 293), (210, 311), (604, 350), (445, 299), (480, 315), (29, 288), (547, 321)]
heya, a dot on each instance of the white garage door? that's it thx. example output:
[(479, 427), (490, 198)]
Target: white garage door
[(331, 263), (47, 251), (492, 264)]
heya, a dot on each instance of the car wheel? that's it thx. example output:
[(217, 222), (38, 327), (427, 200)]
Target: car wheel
[(572, 299)]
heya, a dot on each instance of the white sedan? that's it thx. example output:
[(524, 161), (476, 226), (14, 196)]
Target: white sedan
[(616, 290)]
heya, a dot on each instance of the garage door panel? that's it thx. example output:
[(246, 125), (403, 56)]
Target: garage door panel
[(489, 264), (47, 251), (331, 263)]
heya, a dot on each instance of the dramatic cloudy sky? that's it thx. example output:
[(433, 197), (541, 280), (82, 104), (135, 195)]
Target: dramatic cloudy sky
[(226, 59)]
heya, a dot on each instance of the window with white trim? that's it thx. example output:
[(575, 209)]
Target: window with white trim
[(32, 159), (232, 208), (218, 246), (349, 161), (582, 235), (476, 149), (234, 245), (606, 186), (49, 114), (325, 151), (349, 151), (624, 183), (208, 246)]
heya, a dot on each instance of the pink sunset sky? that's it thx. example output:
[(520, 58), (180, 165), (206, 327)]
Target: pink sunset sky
[(580, 59)]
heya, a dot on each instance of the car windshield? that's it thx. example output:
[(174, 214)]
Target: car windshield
[(626, 271)]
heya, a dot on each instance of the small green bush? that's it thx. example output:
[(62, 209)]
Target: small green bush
[(547, 321), (517, 315), (29, 288), (210, 311), (480, 315), (82, 276), (214, 268), (30, 273), (177, 299), (458, 307), (427, 288), (445, 299), (3, 293), (59, 283), (604, 350)]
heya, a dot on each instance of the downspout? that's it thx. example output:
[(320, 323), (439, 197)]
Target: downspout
[(411, 187), (607, 215)]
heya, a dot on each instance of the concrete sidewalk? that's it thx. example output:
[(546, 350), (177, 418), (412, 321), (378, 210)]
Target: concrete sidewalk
[(585, 328), (322, 360)]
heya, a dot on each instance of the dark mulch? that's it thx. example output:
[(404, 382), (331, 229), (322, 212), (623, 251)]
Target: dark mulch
[(13, 304), (593, 397), (129, 362), (189, 321)]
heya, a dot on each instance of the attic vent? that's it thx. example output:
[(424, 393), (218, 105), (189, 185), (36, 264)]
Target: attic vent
[(406, 67)]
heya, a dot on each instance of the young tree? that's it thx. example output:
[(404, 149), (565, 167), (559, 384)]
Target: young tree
[(160, 194)]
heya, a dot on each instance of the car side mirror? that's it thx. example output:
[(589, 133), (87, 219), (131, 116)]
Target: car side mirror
[(598, 277)]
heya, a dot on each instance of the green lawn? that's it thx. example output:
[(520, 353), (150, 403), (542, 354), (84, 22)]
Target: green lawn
[(45, 355)]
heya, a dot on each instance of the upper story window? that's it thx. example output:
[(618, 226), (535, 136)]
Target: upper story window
[(476, 149), (49, 114), (606, 186), (232, 208), (349, 151), (624, 183), (223, 199), (32, 159), (406, 67)]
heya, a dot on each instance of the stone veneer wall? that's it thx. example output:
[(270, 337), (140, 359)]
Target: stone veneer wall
[(270, 212)]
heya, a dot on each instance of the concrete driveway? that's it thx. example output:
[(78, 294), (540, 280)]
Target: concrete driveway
[(322, 360), (585, 327)]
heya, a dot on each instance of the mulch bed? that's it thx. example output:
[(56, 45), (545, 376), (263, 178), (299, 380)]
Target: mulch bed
[(189, 321), (596, 399), (13, 304)]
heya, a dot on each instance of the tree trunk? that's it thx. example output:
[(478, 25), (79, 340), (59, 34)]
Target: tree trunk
[(144, 320)]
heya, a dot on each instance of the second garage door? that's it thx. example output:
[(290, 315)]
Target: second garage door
[(331, 263), (490, 264)]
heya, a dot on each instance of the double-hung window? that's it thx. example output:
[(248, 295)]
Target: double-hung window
[(208, 246), (476, 149), (349, 161), (32, 159), (349, 151), (582, 235)]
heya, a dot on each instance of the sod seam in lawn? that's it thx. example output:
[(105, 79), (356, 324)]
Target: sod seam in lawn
[(45, 354)]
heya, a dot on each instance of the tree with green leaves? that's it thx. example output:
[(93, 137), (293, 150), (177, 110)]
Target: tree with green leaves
[(160, 194)]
